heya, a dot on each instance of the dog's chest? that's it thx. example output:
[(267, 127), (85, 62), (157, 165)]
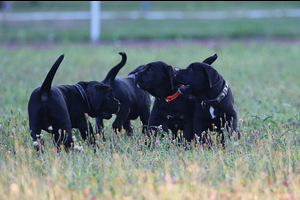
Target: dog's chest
[(212, 112), (173, 110)]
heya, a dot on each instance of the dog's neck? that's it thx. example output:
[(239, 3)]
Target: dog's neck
[(83, 94), (169, 94), (215, 95)]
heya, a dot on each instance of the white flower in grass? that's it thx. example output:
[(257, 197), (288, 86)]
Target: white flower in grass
[(35, 143)]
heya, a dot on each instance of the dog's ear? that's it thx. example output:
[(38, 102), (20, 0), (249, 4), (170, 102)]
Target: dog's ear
[(171, 74), (210, 59), (96, 96), (213, 76)]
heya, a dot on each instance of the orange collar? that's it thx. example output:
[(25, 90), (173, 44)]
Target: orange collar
[(172, 97)]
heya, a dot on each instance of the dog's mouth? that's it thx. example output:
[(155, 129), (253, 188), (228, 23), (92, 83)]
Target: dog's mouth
[(186, 89), (178, 77), (141, 85), (106, 115), (140, 82)]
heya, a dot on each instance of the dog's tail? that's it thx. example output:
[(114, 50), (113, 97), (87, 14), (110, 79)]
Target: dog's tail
[(114, 71), (46, 86), (210, 59)]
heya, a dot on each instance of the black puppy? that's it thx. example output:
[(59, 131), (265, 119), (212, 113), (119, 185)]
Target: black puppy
[(58, 109), (135, 102), (171, 109), (214, 108)]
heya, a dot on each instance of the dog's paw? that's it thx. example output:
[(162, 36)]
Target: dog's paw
[(106, 115)]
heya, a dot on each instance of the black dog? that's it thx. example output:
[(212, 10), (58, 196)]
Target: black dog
[(214, 108), (171, 109), (58, 109), (135, 102)]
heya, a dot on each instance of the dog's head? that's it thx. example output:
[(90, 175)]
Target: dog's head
[(157, 78), (102, 100), (199, 77)]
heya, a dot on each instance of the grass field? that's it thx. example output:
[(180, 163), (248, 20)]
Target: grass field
[(141, 29), (264, 163), (258, 58)]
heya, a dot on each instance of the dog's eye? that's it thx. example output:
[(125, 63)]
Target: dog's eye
[(149, 69)]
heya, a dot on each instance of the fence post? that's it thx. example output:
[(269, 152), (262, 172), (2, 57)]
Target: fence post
[(95, 21)]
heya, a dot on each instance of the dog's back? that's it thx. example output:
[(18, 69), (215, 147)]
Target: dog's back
[(134, 101)]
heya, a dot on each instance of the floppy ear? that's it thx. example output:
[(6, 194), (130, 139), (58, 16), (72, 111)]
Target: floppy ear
[(213, 76), (171, 75), (95, 94)]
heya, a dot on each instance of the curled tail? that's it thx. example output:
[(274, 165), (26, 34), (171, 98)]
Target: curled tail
[(46, 86), (210, 59), (114, 71)]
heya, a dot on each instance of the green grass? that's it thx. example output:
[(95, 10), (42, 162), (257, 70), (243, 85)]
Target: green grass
[(116, 30), (263, 76)]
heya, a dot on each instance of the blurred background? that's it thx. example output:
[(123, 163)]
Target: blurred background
[(70, 21)]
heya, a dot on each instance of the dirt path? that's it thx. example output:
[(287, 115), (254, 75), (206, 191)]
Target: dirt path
[(214, 43)]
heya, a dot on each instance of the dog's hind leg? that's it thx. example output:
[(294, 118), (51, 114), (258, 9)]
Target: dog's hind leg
[(144, 117), (119, 121), (127, 126)]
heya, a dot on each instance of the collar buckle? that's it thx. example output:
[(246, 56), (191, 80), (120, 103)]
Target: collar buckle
[(218, 99)]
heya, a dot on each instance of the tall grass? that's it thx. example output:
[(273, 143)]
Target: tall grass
[(263, 164)]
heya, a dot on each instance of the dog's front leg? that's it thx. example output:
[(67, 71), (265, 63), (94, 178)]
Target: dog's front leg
[(87, 133), (144, 117), (128, 127), (199, 125), (100, 126), (188, 130), (155, 121), (119, 121), (231, 125)]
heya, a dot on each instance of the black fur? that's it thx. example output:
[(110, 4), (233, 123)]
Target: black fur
[(135, 102), (206, 84), (58, 109), (158, 79)]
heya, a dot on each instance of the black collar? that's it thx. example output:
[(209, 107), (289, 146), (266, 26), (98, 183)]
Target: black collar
[(83, 94), (218, 99)]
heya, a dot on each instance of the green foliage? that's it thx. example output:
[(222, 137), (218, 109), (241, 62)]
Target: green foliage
[(264, 163), (262, 73)]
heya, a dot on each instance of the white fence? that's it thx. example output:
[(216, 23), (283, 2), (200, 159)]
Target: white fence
[(96, 15), (150, 15)]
